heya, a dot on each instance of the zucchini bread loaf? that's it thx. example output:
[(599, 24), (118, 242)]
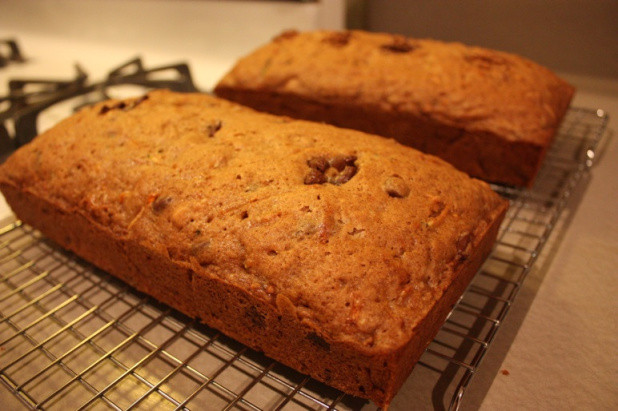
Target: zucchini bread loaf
[(489, 113), (335, 252)]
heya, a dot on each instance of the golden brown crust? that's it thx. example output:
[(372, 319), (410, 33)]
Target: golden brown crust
[(437, 97), (213, 198)]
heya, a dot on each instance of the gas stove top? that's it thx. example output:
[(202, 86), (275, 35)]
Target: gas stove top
[(32, 105), (38, 92)]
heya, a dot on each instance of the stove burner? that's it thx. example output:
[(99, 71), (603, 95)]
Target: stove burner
[(9, 51), (28, 98), (133, 72)]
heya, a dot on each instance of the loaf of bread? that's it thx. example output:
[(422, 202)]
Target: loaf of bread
[(333, 251), (489, 113)]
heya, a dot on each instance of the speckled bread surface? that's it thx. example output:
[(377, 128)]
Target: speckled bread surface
[(489, 113), (336, 252)]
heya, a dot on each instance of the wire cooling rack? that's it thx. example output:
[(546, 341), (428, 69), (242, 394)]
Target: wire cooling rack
[(72, 337)]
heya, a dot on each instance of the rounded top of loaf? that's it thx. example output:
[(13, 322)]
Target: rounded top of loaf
[(471, 88), (355, 235)]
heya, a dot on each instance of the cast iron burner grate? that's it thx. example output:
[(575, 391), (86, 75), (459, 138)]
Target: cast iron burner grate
[(27, 98), (10, 52)]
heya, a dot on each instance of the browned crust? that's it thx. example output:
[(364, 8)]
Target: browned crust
[(235, 312)]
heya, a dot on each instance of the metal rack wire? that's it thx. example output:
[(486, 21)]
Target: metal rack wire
[(71, 336)]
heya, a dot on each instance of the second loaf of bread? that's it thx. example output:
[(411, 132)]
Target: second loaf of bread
[(335, 252), (489, 113)]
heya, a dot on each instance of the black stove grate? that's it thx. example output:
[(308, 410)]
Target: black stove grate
[(10, 52), (27, 98)]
